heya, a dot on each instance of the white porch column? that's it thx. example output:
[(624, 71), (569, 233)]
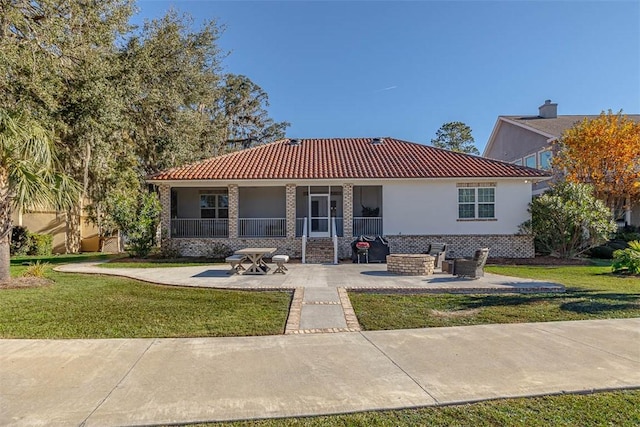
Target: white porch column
[(233, 210), (347, 209), (291, 210), (164, 191)]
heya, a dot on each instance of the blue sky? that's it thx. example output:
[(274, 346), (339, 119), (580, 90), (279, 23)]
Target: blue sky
[(403, 68)]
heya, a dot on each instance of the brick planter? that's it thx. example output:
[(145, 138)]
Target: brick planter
[(410, 264)]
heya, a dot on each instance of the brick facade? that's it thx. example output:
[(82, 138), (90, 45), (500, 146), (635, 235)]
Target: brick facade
[(234, 198), (347, 209), (291, 210), (165, 215), (503, 245)]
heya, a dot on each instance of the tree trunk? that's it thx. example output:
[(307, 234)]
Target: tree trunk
[(72, 240), (5, 226), (4, 259)]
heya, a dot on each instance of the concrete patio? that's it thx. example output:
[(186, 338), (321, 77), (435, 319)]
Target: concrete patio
[(348, 276)]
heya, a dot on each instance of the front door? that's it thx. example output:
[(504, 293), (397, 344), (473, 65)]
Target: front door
[(319, 208)]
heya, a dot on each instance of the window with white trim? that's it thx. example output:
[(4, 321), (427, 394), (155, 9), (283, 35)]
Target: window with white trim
[(518, 162), (214, 206), (530, 161), (477, 203), (544, 159)]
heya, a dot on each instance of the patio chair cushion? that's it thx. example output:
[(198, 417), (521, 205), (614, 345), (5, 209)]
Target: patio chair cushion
[(280, 258), (280, 261)]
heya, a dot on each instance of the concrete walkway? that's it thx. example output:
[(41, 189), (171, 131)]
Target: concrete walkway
[(164, 381), (320, 303)]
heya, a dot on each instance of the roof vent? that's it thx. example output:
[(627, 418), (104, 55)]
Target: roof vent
[(294, 141), (377, 141)]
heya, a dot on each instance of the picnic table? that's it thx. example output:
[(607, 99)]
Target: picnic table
[(256, 255)]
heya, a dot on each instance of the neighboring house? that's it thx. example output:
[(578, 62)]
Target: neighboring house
[(527, 141), (50, 221), (283, 193)]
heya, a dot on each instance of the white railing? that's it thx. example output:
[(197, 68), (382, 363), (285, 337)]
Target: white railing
[(299, 226), (197, 227), (367, 226), (262, 227), (304, 241), (335, 240), (339, 226)]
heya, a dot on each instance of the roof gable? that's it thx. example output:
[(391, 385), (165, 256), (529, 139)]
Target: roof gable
[(551, 128), (344, 158)]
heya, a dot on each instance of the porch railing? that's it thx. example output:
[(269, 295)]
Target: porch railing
[(262, 227), (367, 226), (197, 227)]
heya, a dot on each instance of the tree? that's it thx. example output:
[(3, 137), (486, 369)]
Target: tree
[(29, 175), (603, 152), (455, 136), (568, 220), (242, 109), (138, 218), (59, 59)]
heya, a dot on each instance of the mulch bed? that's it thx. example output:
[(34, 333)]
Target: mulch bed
[(25, 282)]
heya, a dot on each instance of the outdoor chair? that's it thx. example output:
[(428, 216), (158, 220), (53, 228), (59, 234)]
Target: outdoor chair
[(472, 268), (438, 251)]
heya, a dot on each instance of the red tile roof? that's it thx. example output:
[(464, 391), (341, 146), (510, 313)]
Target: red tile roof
[(347, 158)]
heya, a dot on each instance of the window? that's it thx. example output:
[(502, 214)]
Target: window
[(530, 161), (214, 206), (518, 162), (476, 203), (545, 159)]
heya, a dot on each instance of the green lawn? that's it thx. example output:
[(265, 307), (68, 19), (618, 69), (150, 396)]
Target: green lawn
[(621, 408), (592, 293), (93, 306)]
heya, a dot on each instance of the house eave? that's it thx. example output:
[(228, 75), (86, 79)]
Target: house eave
[(331, 181)]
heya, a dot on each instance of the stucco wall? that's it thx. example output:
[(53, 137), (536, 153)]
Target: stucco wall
[(412, 208), (50, 222)]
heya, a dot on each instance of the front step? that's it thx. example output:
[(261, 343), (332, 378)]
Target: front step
[(319, 251)]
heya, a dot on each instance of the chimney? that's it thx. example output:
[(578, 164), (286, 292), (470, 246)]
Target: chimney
[(376, 141), (294, 141), (548, 110)]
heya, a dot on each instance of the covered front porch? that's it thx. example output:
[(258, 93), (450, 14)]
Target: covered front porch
[(285, 211)]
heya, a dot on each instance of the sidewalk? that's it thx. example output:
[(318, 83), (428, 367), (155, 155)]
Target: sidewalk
[(161, 381)]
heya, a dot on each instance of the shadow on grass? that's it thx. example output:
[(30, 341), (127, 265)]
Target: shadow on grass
[(62, 259), (587, 302)]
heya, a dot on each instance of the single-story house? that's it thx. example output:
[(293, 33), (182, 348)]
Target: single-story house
[(286, 193), (527, 140)]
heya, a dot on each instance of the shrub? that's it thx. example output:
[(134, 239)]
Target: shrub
[(36, 270), (568, 220), (628, 233), (40, 244), (602, 252), (219, 251), (19, 241), (627, 260), (137, 217)]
